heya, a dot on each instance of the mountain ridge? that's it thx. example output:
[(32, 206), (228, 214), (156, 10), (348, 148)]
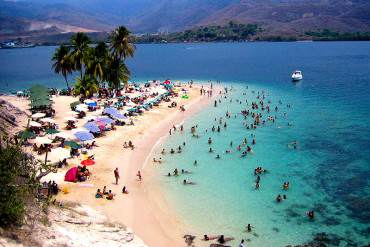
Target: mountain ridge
[(276, 17)]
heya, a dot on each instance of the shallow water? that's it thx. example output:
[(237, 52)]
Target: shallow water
[(330, 117)]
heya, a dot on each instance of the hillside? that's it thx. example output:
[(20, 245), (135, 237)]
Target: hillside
[(276, 17)]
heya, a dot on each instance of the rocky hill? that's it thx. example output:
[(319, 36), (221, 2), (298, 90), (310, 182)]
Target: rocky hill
[(277, 17)]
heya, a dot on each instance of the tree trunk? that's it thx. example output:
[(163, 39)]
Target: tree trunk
[(65, 78)]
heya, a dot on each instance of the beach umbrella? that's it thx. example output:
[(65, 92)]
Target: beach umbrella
[(104, 120), (92, 127), (87, 162), (87, 101), (26, 134), (35, 124), (70, 119), (58, 154), (52, 131), (110, 110), (93, 104), (84, 135), (72, 144), (42, 140), (72, 113), (38, 115), (89, 118), (47, 120), (81, 107), (64, 135), (90, 103), (119, 116)]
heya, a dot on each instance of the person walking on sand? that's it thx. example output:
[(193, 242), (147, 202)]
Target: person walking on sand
[(116, 174), (139, 175)]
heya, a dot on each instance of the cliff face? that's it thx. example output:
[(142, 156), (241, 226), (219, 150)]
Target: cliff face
[(11, 118), (79, 226)]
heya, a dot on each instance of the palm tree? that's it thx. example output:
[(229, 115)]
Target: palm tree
[(80, 44), (121, 48), (86, 86), (120, 44), (62, 62), (116, 73), (97, 61)]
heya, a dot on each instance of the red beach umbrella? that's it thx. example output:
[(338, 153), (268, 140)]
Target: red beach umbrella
[(88, 162)]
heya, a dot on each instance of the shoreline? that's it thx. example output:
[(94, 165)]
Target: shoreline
[(145, 209)]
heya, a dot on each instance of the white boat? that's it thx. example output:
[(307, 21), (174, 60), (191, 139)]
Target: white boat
[(297, 75)]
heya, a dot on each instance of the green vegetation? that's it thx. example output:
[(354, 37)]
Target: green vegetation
[(96, 64), (231, 32), (328, 35), (19, 183)]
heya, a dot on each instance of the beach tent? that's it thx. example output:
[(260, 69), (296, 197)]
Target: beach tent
[(84, 135), (71, 175)]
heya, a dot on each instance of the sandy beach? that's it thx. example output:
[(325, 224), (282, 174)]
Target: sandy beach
[(144, 209)]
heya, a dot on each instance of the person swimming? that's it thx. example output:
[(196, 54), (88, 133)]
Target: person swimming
[(209, 140), (311, 214), (218, 156), (195, 162), (210, 150), (187, 182), (249, 228), (286, 185), (176, 172), (172, 151), (278, 198)]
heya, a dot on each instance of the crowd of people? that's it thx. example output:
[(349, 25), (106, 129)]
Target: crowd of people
[(260, 112)]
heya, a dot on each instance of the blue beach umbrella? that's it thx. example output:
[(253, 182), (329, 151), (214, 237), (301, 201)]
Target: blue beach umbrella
[(104, 120), (92, 104), (110, 110), (92, 127), (119, 116), (84, 135)]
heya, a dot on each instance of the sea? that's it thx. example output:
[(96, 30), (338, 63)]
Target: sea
[(326, 115)]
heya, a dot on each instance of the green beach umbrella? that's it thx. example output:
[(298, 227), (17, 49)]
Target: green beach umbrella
[(72, 144), (52, 131), (26, 134)]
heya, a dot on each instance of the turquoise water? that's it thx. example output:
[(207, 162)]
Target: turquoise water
[(329, 116)]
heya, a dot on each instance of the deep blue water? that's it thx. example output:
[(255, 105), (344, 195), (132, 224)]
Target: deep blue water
[(330, 117)]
